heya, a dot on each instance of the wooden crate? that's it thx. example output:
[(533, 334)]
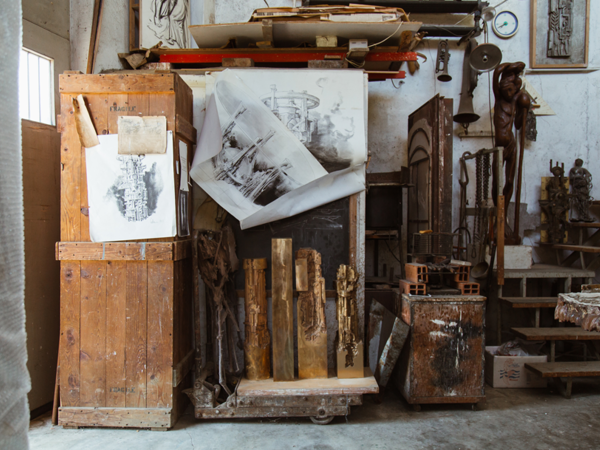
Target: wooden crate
[(443, 360), (126, 344)]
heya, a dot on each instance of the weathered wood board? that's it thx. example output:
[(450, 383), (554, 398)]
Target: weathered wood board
[(283, 313)]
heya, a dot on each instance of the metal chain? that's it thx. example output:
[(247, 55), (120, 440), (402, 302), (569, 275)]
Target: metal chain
[(478, 196)]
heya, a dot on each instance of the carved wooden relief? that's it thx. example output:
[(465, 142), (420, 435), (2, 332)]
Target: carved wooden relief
[(257, 345), (312, 328), (349, 346)]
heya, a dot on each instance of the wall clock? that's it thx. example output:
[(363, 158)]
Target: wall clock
[(505, 24)]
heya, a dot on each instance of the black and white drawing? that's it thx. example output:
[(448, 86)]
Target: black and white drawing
[(259, 160), (166, 21), (278, 142), (130, 196), (325, 113)]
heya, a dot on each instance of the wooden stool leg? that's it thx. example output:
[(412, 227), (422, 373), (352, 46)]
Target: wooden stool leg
[(537, 317), (552, 350)]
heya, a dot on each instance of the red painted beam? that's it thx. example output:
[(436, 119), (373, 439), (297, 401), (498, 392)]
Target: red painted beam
[(385, 76), (277, 57)]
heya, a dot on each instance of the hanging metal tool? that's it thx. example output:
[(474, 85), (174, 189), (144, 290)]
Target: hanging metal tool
[(443, 57), (466, 114)]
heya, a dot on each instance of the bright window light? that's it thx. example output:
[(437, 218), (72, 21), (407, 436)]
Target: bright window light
[(36, 87)]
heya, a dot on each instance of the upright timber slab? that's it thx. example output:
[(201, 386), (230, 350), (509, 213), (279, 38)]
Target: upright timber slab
[(283, 310), (126, 307), (312, 329)]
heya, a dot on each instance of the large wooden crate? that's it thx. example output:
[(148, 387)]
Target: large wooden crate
[(443, 359), (126, 344)]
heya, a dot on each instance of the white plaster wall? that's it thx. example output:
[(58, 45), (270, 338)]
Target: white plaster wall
[(114, 34)]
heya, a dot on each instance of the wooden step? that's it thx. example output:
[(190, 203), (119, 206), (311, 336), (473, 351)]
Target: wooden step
[(566, 369), (556, 334), (576, 248), (531, 302), (585, 224)]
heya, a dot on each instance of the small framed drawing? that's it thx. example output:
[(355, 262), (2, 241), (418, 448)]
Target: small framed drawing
[(559, 34), (165, 21)]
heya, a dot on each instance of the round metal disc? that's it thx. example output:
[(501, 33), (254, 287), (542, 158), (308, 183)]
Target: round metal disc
[(485, 57)]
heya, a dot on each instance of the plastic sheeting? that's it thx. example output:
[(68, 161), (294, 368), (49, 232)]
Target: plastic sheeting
[(14, 378)]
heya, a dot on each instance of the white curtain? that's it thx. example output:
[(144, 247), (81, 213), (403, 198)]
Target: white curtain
[(14, 378)]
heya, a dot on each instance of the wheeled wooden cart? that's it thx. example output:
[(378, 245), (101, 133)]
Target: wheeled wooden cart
[(443, 359), (321, 399)]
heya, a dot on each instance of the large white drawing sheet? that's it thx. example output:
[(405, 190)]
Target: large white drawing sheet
[(130, 197), (279, 142)]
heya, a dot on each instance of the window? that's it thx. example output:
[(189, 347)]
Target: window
[(36, 87)]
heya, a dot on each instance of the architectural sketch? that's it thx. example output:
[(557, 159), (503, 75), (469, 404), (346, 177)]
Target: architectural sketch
[(321, 110), (130, 196), (560, 28), (136, 190), (166, 21), (241, 164)]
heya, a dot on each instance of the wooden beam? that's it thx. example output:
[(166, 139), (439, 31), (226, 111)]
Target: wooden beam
[(283, 314), (122, 251), (94, 36), (117, 83), (115, 417), (185, 129)]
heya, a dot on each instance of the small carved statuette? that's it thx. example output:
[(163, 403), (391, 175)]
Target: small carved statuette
[(557, 205), (349, 344), (580, 180)]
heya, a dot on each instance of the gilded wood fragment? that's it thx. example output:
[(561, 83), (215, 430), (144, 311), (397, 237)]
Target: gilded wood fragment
[(349, 345)]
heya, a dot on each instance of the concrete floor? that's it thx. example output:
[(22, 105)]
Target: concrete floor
[(512, 419)]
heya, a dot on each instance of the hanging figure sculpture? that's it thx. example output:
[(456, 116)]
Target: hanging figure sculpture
[(510, 110), (580, 180)]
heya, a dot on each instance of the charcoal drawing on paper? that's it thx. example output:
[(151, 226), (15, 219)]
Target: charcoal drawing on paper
[(130, 197), (259, 161), (166, 21), (137, 189), (323, 112)]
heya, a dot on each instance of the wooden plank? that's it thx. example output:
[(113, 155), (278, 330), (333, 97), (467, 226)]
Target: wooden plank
[(116, 417), (116, 104), (283, 314), (566, 369), (93, 36), (312, 329), (93, 334), (330, 293), (116, 323), (185, 129), (576, 248), (160, 335), (530, 302), (556, 334), (301, 275), (136, 320), (584, 224), (123, 251), (70, 159), (293, 33), (182, 368), (70, 301), (117, 83), (316, 386)]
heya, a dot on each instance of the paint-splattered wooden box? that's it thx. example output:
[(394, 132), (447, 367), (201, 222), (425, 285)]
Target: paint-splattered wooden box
[(443, 359), (126, 344)]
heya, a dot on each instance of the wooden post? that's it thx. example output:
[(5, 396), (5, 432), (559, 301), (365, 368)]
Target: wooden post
[(500, 233), (283, 313), (257, 346), (312, 329)]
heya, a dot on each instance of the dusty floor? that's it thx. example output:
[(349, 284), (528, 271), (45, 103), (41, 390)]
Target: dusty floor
[(512, 419)]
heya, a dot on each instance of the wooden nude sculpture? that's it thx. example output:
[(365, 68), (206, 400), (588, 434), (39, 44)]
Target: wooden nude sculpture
[(511, 109)]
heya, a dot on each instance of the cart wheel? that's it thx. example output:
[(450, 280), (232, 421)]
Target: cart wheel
[(321, 420), (416, 407), (478, 406)]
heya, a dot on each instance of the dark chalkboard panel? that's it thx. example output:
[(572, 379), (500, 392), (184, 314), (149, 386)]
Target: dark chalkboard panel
[(326, 229)]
